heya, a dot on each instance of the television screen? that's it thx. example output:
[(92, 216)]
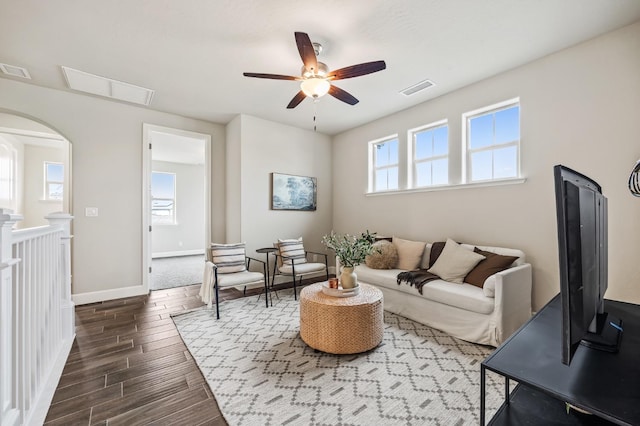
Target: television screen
[(582, 247)]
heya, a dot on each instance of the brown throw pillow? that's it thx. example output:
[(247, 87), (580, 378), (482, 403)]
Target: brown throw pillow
[(436, 250), (492, 264)]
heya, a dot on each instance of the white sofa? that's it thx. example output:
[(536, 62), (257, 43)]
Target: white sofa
[(485, 315)]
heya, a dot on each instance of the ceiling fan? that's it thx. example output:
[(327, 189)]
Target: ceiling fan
[(316, 79)]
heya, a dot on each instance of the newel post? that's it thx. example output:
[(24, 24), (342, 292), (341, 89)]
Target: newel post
[(68, 307), (9, 413)]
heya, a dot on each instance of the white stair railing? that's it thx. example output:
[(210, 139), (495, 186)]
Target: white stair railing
[(37, 324)]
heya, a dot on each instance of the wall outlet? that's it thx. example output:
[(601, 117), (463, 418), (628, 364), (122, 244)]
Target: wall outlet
[(91, 211)]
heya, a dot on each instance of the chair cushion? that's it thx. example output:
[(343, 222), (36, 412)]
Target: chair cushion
[(240, 278), (229, 258), (292, 249), (304, 268)]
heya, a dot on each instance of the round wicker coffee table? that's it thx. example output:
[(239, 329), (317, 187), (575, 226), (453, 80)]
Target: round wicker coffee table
[(341, 325)]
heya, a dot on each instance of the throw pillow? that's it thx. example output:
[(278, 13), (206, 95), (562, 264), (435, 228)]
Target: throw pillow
[(409, 253), (385, 258), (436, 251), (492, 264), (455, 262), (292, 249), (229, 258)]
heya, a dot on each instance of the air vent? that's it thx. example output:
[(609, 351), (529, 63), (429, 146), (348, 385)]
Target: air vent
[(107, 87), (15, 71), (417, 87)]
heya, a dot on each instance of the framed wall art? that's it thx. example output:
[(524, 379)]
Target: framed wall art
[(289, 192)]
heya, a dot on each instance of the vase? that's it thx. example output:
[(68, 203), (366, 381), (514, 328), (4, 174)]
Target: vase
[(348, 277)]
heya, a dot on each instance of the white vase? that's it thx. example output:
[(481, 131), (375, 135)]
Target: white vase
[(348, 277)]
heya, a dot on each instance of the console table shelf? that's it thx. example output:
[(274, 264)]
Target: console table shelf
[(602, 383)]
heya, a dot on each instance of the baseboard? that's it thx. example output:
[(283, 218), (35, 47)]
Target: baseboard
[(176, 253), (101, 296)]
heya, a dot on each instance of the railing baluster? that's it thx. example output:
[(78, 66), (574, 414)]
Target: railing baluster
[(36, 316)]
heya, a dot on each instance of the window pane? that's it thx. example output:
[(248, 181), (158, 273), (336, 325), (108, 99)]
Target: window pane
[(440, 172), (393, 178), (393, 151), (162, 185), (481, 131), (441, 141), (382, 154), (55, 191), (381, 180), (55, 172), (424, 144), (423, 174), (481, 167), (505, 162), (508, 125)]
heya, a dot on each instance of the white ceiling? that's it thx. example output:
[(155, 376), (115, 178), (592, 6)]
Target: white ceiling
[(193, 52)]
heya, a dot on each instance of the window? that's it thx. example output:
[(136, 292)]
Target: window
[(53, 181), (163, 198), (493, 142), (384, 162), (8, 157), (430, 155)]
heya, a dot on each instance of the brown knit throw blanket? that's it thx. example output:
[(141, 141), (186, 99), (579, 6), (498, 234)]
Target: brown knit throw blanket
[(419, 277)]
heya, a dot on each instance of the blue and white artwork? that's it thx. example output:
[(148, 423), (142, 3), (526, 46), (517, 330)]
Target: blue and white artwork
[(293, 192)]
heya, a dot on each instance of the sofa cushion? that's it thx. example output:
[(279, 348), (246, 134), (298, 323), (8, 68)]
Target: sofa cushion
[(455, 262), (463, 296), (228, 258), (409, 253), (386, 256), (492, 264)]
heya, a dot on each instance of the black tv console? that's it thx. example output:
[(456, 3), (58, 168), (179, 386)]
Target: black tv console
[(602, 383)]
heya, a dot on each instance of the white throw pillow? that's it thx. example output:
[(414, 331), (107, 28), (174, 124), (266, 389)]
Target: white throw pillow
[(229, 258), (455, 262), (292, 249), (409, 253)]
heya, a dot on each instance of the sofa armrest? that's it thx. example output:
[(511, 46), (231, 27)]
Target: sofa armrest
[(512, 299)]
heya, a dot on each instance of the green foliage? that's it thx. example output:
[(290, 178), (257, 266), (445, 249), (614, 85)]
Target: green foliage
[(351, 250)]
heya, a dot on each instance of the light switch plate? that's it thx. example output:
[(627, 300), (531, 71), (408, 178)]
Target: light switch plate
[(91, 211)]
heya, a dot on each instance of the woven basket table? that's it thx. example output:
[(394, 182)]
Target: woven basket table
[(341, 325)]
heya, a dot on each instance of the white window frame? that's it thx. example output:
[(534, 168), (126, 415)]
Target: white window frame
[(48, 182), (468, 152), (411, 154), (372, 163), (154, 218)]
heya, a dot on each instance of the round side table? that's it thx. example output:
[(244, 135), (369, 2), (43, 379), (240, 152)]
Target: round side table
[(341, 325)]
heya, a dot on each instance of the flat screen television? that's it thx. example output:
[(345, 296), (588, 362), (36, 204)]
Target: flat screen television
[(581, 210)]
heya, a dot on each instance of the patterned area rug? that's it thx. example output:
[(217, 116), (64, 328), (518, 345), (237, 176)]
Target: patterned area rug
[(262, 373)]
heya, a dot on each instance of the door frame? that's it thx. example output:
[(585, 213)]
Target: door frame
[(147, 158)]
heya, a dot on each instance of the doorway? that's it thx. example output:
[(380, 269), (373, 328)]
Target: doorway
[(176, 218)]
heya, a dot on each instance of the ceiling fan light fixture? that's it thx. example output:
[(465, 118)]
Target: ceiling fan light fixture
[(315, 87)]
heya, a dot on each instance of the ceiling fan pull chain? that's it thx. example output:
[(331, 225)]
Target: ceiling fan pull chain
[(315, 112)]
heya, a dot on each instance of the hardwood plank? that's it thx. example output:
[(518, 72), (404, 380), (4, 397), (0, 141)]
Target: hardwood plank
[(161, 408), (61, 409), (78, 389), (85, 345), (144, 357), (150, 369), (161, 343), (77, 418), (193, 415), (143, 338), (132, 401), (92, 372), (87, 365), (101, 350)]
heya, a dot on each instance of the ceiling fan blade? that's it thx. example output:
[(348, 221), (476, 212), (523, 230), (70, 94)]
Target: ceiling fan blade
[(342, 95), (299, 97), (307, 53), (270, 76), (357, 70)]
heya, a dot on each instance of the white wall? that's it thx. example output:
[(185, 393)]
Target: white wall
[(107, 173), (35, 207), (187, 235), (579, 108), (265, 147)]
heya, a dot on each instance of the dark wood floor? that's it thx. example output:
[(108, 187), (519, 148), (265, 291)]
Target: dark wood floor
[(129, 366)]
